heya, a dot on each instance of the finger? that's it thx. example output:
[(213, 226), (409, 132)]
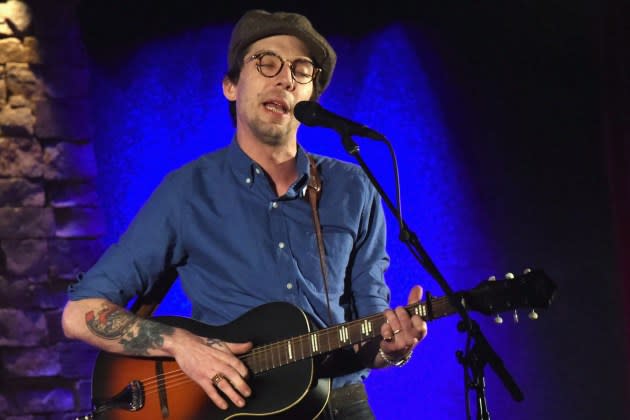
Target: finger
[(235, 370), (213, 393), (393, 321), (236, 363), (238, 383), (226, 354), (391, 326), (420, 326), (403, 318), (223, 383), (415, 294), (414, 329), (239, 348)]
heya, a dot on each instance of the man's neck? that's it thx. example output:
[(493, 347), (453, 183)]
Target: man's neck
[(278, 161)]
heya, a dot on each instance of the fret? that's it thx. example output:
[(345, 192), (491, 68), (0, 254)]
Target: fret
[(420, 310), (343, 334), (314, 343), (251, 362), (261, 355), (260, 361), (290, 350), (265, 359), (332, 340), (366, 328), (279, 353), (272, 353), (304, 350)]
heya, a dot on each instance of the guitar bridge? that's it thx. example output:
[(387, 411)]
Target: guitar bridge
[(131, 398)]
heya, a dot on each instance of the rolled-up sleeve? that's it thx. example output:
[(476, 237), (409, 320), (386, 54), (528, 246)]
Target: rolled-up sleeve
[(149, 247)]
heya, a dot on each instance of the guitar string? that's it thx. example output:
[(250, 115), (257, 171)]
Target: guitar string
[(177, 377), (153, 382), (298, 341)]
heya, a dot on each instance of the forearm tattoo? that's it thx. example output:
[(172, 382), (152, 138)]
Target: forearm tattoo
[(137, 336)]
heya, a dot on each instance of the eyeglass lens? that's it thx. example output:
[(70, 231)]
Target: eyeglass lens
[(270, 65)]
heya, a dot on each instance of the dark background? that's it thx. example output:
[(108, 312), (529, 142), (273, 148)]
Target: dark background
[(535, 95)]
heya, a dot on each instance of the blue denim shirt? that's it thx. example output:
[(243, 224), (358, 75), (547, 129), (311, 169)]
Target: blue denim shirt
[(236, 245)]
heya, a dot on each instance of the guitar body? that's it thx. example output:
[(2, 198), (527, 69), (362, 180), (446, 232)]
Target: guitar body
[(289, 391)]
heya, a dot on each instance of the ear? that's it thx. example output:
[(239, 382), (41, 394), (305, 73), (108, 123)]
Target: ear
[(229, 89)]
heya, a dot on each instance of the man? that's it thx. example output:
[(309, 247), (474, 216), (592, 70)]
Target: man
[(235, 226)]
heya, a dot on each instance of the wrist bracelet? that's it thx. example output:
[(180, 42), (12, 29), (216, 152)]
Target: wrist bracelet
[(395, 362)]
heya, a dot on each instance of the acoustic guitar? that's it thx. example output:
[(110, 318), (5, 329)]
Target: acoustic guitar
[(282, 362)]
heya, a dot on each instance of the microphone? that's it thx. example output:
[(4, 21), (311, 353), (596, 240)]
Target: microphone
[(313, 114)]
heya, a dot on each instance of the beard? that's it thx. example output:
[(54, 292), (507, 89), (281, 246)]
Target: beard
[(270, 134)]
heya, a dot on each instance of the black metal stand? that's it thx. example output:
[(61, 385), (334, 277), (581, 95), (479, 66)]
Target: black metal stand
[(481, 353)]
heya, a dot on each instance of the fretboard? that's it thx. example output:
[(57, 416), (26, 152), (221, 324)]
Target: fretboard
[(294, 349)]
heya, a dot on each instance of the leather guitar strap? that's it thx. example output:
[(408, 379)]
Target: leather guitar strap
[(313, 193)]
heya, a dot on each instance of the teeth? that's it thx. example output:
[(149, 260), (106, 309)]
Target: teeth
[(274, 108)]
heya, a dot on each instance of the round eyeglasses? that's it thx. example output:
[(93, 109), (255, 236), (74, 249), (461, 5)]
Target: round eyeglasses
[(270, 64)]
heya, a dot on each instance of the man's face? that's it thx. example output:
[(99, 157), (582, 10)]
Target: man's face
[(264, 105)]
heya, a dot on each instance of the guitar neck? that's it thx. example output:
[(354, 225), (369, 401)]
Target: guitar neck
[(294, 349)]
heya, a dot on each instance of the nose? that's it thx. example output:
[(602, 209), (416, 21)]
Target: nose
[(285, 77)]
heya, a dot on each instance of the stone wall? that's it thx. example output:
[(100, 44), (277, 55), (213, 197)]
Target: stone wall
[(50, 221)]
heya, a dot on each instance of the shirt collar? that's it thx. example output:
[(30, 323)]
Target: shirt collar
[(242, 165), (248, 171)]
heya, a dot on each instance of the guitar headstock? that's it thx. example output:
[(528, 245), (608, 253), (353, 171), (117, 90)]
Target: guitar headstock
[(533, 290)]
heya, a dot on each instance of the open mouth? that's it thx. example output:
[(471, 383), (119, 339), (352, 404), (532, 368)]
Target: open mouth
[(276, 107)]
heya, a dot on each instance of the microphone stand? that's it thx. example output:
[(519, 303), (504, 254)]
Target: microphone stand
[(480, 353)]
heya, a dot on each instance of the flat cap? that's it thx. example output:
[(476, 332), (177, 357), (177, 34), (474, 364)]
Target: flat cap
[(257, 24)]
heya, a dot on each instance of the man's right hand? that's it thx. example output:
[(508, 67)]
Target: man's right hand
[(213, 364)]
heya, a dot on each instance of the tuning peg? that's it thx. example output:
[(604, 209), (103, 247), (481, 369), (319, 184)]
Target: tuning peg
[(533, 315), (510, 276), (497, 317)]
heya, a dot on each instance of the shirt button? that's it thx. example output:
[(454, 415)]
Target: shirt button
[(248, 180), (257, 171), (274, 204), (281, 245), (289, 286)]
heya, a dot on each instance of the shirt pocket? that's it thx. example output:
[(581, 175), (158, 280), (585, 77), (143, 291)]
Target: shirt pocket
[(338, 245)]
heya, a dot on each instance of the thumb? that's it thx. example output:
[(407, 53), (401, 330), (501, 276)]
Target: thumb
[(239, 348), (415, 294)]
